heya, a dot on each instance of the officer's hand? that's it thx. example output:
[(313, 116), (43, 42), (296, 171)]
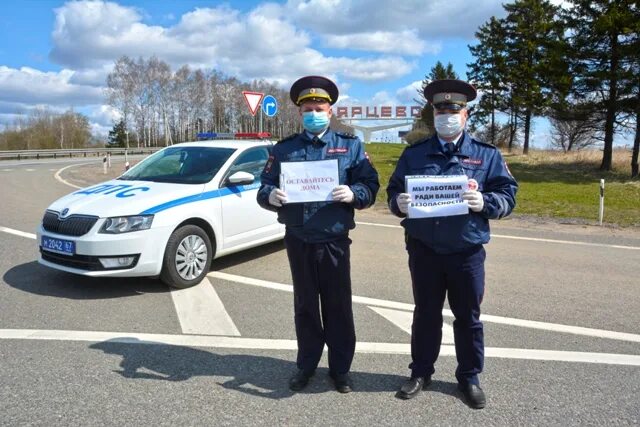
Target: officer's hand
[(404, 200), (474, 199), (342, 193), (277, 197)]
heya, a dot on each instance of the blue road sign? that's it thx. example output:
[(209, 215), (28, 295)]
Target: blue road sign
[(269, 106)]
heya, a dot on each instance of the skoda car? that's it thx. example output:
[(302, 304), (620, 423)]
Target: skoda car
[(167, 216)]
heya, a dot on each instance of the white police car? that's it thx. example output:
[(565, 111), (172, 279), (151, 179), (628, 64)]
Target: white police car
[(169, 215)]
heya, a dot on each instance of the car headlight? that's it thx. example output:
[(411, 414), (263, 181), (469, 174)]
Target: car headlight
[(126, 224)]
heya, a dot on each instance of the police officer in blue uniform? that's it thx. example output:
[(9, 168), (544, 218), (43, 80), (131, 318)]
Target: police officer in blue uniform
[(317, 233), (446, 254)]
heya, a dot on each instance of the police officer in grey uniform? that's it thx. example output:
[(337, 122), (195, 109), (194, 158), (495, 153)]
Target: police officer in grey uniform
[(317, 233), (446, 254)]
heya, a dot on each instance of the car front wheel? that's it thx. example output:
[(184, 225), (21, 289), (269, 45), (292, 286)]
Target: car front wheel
[(186, 257)]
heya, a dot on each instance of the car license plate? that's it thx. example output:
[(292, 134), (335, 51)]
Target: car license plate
[(64, 247)]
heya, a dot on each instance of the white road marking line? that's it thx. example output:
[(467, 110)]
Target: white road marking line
[(375, 224), (404, 319), (62, 180), (531, 239), (17, 232), (567, 242), (533, 324), (29, 170), (201, 311), (271, 344), (7, 170)]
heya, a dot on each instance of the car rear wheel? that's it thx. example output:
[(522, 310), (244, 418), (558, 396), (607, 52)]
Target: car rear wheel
[(187, 257)]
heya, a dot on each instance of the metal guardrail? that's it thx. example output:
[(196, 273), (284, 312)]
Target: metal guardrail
[(74, 152)]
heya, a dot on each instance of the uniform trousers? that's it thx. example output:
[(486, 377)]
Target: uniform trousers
[(322, 302), (459, 276)]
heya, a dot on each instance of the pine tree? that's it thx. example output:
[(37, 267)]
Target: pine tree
[(532, 32), (489, 73), (600, 36), (629, 94), (117, 135), (438, 72)]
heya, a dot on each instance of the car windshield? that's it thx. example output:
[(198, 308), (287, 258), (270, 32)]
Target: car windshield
[(180, 165)]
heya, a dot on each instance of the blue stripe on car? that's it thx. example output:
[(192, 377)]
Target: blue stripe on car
[(213, 194)]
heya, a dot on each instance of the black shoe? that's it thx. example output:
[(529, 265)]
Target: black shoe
[(299, 380), (473, 395), (342, 382), (412, 387)]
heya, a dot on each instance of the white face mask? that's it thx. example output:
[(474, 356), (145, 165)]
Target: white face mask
[(448, 125)]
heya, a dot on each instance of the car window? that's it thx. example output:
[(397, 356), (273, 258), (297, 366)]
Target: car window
[(181, 165), (251, 161)]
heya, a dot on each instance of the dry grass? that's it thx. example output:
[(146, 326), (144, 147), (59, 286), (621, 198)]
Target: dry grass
[(555, 184), (576, 160)]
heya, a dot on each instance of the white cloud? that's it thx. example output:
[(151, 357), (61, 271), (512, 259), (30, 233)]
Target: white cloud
[(7, 120), (104, 115), (258, 44), (397, 42), (100, 131), (268, 42), (408, 93), (370, 69), (93, 76), (29, 86), (431, 19)]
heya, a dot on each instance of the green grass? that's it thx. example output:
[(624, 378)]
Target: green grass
[(552, 184)]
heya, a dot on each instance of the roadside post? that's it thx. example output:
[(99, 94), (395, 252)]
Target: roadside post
[(104, 164), (601, 202)]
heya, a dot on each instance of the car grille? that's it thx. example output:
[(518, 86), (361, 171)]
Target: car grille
[(74, 225), (81, 262)]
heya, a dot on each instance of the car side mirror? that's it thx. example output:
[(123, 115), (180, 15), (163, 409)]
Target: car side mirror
[(241, 178)]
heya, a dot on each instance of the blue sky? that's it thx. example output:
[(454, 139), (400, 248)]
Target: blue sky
[(57, 53)]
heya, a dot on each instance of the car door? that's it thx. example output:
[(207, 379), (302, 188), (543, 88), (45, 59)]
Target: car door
[(243, 220)]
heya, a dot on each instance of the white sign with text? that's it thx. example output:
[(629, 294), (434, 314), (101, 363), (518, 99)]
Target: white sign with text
[(311, 181), (433, 196)]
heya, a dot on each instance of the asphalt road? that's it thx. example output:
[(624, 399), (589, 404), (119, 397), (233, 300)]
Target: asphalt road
[(561, 313)]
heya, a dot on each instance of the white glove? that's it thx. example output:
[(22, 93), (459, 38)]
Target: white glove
[(474, 199), (404, 200), (342, 193), (277, 197)]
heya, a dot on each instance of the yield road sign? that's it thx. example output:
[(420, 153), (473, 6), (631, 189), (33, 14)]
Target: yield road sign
[(269, 106), (253, 100)]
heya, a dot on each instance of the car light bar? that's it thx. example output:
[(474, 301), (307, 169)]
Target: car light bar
[(214, 135)]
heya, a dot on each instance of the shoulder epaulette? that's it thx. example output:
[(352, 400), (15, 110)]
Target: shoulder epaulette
[(288, 138), (486, 144), (346, 135)]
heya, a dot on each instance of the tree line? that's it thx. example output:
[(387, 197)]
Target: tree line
[(161, 107), (578, 65), (45, 129)]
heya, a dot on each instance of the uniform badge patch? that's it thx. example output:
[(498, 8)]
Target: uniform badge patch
[(267, 167), (472, 161), (337, 150)]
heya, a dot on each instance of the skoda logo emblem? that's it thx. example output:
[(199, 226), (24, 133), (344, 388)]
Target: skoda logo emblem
[(64, 212)]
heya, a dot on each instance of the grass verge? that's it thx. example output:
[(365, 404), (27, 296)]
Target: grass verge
[(553, 184)]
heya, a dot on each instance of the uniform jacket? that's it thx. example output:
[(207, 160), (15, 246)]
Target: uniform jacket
[(321, 221), (478, 160)]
